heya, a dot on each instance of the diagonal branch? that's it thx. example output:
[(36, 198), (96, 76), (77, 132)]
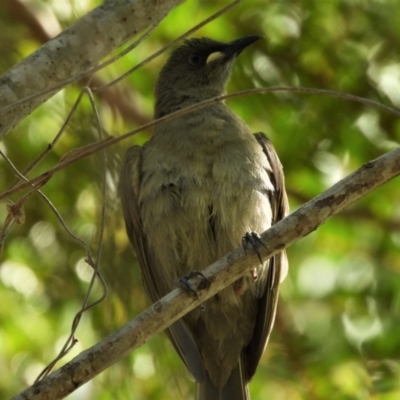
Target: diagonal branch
[(306, 219), (74, 53)]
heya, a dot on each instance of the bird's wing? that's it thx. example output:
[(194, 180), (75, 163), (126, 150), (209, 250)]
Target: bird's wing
[(277, 265), (129, 189)]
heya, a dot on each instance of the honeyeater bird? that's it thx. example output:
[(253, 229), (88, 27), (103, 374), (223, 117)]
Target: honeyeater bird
[(189, 196)]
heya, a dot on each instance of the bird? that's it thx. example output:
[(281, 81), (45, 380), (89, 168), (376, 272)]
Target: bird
[(189, 196)]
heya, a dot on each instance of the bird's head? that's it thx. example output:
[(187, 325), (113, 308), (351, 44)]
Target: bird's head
[(197, 70)]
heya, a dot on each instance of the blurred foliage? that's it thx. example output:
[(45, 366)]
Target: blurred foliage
[(337, 329)]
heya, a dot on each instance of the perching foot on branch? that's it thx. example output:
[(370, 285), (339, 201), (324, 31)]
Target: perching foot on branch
[(193, 286), (252, 241)]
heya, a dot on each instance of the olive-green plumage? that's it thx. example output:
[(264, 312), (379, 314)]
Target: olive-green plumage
[(189, 196)]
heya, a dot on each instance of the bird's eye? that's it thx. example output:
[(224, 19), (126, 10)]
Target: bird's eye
[(194, 59)]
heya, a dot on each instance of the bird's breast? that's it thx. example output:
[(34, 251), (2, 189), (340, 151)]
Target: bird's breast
[(201, 191)]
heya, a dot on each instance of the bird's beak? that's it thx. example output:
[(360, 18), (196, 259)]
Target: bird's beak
[(233, 49)]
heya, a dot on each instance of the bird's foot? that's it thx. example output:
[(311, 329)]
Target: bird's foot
[(191, 285), (251, 241)]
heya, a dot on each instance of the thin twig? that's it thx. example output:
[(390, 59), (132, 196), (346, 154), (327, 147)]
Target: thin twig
[(169, 45), (71, 340), (50, 147), (95, 264), (85, 151)]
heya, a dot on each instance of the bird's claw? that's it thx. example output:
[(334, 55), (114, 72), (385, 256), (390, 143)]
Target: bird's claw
[(185, 284), (252, 240)]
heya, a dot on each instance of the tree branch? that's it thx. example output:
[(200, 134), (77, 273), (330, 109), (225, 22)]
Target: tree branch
[(222, 273), (73, 54)]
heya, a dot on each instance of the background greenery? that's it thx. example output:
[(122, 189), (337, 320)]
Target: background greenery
[(337, 334)]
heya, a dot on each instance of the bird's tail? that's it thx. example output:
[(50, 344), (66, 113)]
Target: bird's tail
[(235, 387)]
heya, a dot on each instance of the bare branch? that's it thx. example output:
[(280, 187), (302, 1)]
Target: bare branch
[(306, 219), (86, 42)]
